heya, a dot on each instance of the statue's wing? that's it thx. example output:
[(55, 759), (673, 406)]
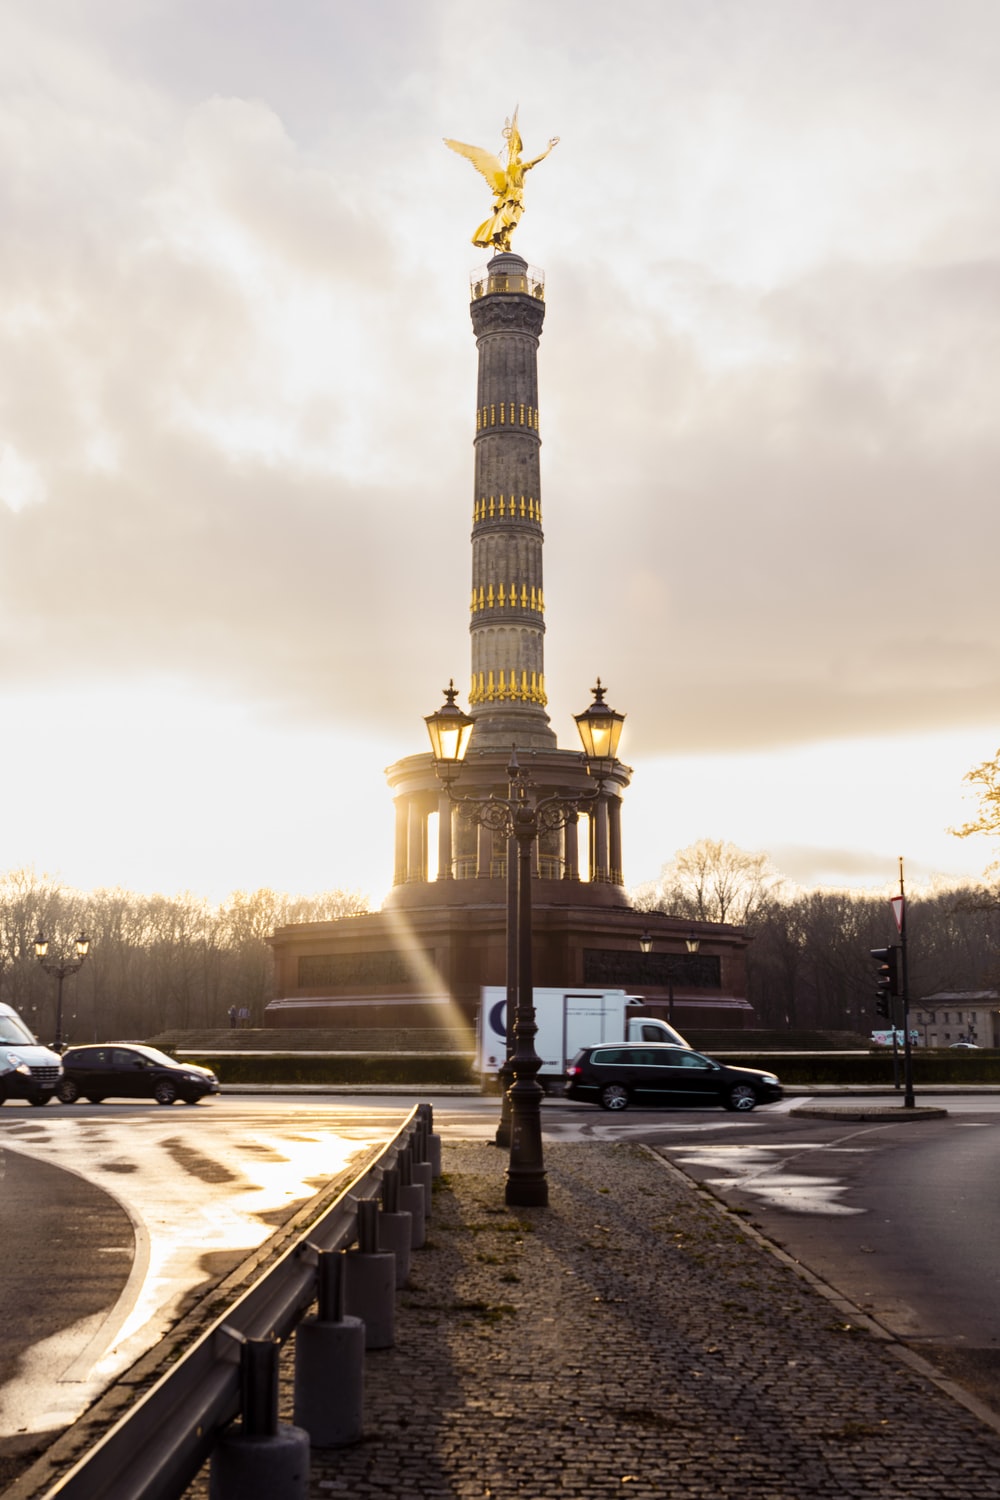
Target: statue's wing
[(491, 166)]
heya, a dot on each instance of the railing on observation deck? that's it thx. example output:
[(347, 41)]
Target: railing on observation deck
[(550, 867), (530, 282)]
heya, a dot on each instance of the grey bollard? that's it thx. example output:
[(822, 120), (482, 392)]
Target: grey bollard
[(395, 1229), (370, 1281), (422, 1170), (412, 1197), (330, 1364), (260, 1459), (433, 1141)]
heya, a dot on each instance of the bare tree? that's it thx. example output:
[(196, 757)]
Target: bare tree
[(713, 881), (985, 778)]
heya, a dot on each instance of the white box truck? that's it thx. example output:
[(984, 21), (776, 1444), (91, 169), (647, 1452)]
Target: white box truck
[(567, 1020)]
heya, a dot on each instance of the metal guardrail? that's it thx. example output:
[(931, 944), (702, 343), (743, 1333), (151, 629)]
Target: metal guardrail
[(157, 1448)]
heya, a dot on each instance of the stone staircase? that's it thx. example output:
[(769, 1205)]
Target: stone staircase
[(310, 1039), (384, 1040)]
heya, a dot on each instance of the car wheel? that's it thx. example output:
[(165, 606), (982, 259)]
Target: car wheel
[(742, 1096), (38, 1100), (68, 1091), (613, 1096), (164, 1092), (95, 1098)]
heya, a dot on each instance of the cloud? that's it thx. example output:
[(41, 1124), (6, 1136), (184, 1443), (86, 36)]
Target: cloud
[(768, 515), (810, 866), (237, 376)]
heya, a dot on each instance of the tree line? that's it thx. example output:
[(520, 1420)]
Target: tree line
[(155, 963), (159, 963), (808, 963)]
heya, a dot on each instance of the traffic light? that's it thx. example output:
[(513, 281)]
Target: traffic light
[(887, 982)]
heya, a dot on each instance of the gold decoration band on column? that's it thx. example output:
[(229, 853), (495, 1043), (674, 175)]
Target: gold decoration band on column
[(503, 687), (501, 597), (519, 416), (517, 508)]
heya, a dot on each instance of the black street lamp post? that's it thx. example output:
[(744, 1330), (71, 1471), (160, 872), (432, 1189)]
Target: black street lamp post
[(61, 972), (521, 821), (502, 1136)]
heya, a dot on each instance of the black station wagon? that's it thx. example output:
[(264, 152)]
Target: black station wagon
[(130, 1070), (617, 1075)]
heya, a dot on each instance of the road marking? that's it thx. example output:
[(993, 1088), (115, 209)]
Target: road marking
[(754, 1169)]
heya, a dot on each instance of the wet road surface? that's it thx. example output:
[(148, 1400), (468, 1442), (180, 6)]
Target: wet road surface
[(114, 1217), (112, 1220)]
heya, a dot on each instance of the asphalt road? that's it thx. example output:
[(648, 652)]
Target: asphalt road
[(67, 1253), (114, 1220), (67, 1249), (893, 1215)]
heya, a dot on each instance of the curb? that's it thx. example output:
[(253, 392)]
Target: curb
[(883, 1112), (903, 1351)]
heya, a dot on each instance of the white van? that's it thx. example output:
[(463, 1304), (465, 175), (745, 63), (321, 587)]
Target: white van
[(38, 1085), (567, 1020)]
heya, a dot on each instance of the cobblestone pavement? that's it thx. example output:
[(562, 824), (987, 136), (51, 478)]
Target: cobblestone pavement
[(633, 1340)]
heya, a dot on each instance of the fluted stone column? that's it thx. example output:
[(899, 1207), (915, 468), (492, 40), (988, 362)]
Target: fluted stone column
[(571, 850), (402, 841), (484, 851), (615, 839), (601, 871), (507, 693), (416, 854), (445, 818)]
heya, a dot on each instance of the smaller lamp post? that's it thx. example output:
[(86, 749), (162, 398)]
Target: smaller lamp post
[(61, 971), (691, 943)]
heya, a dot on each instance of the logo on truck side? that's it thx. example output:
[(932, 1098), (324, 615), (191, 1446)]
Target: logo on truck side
[(498, 1020)]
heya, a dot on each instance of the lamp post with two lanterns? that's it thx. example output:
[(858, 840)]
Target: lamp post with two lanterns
[(521, 820), (692, 944), (61, 971)]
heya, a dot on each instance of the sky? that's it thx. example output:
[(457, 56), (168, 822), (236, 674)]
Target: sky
[(237, 395)]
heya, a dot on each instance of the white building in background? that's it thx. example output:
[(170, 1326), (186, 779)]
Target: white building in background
[(953, 1016)]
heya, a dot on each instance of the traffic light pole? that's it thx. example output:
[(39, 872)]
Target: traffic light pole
[(891, 987), (908, 1096)]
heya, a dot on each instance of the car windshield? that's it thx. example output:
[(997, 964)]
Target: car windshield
[(153, 1054), (12, 1030)]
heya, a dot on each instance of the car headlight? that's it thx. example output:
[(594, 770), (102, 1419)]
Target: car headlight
[(769, 1078)]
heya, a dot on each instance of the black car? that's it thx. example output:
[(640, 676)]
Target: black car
[(616, 1075), (131, 1070)]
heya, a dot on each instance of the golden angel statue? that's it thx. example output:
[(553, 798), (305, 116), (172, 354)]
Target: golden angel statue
[(507, 183)]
